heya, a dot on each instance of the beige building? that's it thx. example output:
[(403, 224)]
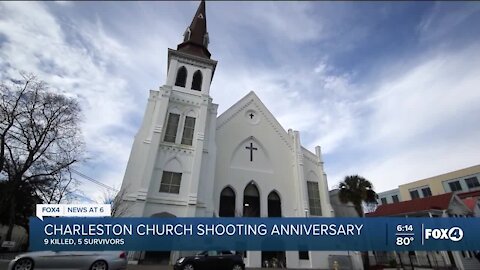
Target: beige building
[(463, 180)]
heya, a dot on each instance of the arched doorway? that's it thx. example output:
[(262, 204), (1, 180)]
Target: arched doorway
[(158, 257), (274, 205), (227, 203), (251, 201), (275, 259)]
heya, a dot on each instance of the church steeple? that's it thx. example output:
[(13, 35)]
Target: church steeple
[(196, 40)]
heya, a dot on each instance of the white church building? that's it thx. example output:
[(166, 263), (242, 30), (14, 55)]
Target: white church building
[(187, 161)]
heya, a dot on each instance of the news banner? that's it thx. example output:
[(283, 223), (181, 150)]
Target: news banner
[(86, 228)]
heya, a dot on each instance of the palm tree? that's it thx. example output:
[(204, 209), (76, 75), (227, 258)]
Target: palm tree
[(357, 190)]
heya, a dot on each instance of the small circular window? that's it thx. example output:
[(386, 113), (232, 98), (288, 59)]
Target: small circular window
[(252, 117)]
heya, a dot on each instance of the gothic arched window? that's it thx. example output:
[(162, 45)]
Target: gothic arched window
[(274, 205), (227, 203), (197, 81), (181, 77)]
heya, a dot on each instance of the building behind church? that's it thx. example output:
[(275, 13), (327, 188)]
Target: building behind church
[(186, 161)]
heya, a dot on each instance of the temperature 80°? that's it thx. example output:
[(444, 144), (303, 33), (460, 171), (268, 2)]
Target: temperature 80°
[(404, 240)]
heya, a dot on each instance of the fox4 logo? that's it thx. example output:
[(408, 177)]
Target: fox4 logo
[(454, 234)]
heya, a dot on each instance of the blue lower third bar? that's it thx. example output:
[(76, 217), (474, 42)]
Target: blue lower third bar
[(268, 234)]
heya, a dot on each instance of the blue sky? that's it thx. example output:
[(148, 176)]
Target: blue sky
[(391, 90)]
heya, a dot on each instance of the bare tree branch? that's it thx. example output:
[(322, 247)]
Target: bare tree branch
[(40, 139)]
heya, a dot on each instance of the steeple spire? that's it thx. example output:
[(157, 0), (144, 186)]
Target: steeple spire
[(196, 36)]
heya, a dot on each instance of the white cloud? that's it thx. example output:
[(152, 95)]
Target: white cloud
[(444, 18), (431, 94), (423, 122), (275, 19)]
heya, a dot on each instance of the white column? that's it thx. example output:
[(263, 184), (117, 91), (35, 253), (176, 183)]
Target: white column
[(172, 72), (197, 156), (190, 71), (327, 209), (300, 176), (153, 138)]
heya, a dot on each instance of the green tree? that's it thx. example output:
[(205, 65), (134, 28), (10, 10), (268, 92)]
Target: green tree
[(357, 190)]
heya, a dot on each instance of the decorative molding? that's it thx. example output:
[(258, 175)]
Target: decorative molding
[(191, 59), (154, 94), (310, 156), (230, 115), (192, 199), (165, 91), (247, 100), (186, 100), (276, 126), (177, 148), (167, 201), (213, 108), (141, 195), (158, 129)]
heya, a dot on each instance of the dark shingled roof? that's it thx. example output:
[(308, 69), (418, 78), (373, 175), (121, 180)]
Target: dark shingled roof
[(198, 30), (438, 202)]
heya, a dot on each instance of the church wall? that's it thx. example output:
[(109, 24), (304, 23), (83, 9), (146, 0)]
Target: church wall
[(167, 156), (135, 181), (313, 171), (271, 168), (219, 157)]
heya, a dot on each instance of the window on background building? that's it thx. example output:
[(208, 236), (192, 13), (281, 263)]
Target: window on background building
[(187, 138), (303, 255), (172, 126), (472, 182), (414, 194), (170, 182), (395, 199), (384, 200), (314, 198), (426, 192), (455, 186)]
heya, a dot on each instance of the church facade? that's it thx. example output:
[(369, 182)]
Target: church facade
[(186, 161)]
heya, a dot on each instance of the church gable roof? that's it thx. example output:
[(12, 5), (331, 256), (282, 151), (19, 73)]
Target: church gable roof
[(243, 104)]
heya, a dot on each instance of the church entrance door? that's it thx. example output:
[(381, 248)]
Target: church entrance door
[(274, 259), (158, 257), (251, 201)]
